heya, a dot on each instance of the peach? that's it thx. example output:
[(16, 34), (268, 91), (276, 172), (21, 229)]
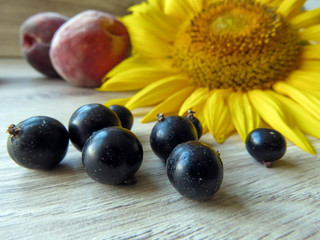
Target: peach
[(88, 46), (36, 34)]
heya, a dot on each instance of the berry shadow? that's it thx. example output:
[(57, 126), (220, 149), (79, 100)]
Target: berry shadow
[(66, 167), (284, 164), (143, 182), (222, 200), (70, 168)]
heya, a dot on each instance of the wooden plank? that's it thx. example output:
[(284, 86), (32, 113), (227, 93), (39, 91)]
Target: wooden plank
[(254, 202)]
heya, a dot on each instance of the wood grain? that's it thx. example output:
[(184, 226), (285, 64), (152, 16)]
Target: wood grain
[(254, 202), (14, 13)]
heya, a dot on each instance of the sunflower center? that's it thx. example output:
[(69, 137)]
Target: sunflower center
[(237, 44), (229, 23)]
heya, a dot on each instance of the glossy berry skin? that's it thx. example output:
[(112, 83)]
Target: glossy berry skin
[(112, 155), (88, 119), (266, 145), (170, 131), (124, 115), (38, 142), (195, 121), (195, 170)]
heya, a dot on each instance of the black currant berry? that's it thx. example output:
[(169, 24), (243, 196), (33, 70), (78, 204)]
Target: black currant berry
[(112, 155), (124, 115), (38, 142), (195, 121), (170, 131), (266, 145), (88, 119), (195, 170)]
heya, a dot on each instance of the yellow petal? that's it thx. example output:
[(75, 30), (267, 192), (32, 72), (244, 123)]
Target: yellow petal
[(146, 43), (244, 116), (170, 105), (136, 9), (199, 112), (179, 8), (310, 66), (117, 101), (146, 29), (136, 61), (157, 91), (304, 80), (150, 46), (197, 5), (144, 22), (271, 2), (305, 121), (311, 52), (309, 101), (157, 4), (217, 115), (278, 117), (127, 63), (156, 17), (306, 19), (311, 33), (134, 78), (290, 8), (198, 108), (198, 96)]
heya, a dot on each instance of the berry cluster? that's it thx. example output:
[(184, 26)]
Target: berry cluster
[(112, 154), (194, 169)]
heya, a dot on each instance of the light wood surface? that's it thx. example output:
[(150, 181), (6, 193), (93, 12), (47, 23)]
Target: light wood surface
[(14, 13), (254, 202)]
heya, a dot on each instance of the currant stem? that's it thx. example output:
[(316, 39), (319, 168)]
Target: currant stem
[(130, 181), (267, 164), (191, 113), (160, 117), (13, 130)]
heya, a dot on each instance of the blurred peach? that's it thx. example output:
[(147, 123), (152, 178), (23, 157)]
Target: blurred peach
[(36, 34), (88, 46)]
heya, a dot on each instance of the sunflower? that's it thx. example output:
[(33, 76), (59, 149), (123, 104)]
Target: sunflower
[(239, 64)]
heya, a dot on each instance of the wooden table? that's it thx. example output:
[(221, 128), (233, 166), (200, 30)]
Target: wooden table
[(254, 202)]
